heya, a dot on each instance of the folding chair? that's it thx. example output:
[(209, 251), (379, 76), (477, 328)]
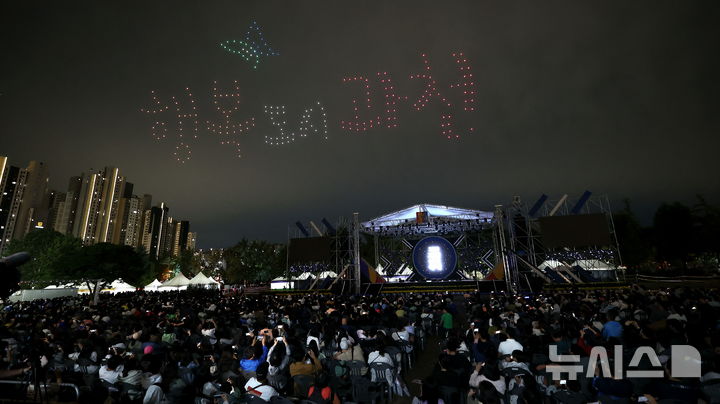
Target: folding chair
[(355, 367), (380, 372), (363, 390)]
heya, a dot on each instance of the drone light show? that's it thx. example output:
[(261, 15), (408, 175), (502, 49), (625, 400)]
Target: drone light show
[(456, 97)]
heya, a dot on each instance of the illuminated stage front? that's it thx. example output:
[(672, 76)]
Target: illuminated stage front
[(434, 258)]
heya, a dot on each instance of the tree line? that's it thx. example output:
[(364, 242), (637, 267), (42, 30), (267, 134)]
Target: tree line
[(58, 257), (681, 239)]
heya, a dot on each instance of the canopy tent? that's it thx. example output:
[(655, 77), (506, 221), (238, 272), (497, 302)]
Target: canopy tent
[(179, 282), (305, 276), (201, 280), (84, 289), (282, 282), (120, 286), (327, 274), (153, 286)]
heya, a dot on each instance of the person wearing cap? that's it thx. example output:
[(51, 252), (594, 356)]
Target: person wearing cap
[(259, 386)]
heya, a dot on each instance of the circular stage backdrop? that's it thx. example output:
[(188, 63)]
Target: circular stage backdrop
[(434, 257)]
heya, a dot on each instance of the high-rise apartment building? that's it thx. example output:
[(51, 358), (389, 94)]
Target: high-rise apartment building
[(24, 201), (57, 207), (113, 188), (10, 197), (96, 216), (132, 222), (62, 212), (155, 229), (169, 239), (180, 240), (192, 241), (121, 215), (98, 207), (88, 208), (34, 206)]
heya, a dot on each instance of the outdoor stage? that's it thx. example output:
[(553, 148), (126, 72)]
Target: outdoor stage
[(429, 248)]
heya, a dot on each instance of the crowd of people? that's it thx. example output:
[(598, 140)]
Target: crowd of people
[(207, 347)]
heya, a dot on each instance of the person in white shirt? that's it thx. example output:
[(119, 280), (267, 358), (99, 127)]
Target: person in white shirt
[(380, 356), (259, 385), (405, 337), (478, 377), (110, 372), (509, 345), (154, 394)]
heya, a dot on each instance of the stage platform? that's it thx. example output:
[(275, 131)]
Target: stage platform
[(461, 286)]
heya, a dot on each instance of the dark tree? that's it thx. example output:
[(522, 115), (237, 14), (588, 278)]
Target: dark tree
[(706, 228), (673, 234), (253, 261), (49, 250), (99, 264), (634, 247)]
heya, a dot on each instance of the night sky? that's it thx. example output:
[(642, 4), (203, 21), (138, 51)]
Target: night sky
[(618, 97)]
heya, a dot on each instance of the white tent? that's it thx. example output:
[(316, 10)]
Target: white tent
[(327, 274), (179, 282), (120, 286), (282, 282), (83, 288), (201, 280), (305, 275), (33, 294), (153, 286)]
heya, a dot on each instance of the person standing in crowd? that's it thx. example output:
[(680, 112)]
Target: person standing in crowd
[(446, 320)]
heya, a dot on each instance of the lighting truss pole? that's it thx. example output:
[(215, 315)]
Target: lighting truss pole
[(356, 250), (502, 244)]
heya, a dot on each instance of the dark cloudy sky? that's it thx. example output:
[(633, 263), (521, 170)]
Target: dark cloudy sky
[(618, 97)]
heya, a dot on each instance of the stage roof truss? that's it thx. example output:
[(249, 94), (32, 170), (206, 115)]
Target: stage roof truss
[(439, 219)]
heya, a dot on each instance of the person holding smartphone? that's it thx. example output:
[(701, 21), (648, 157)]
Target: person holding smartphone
[(254, 355)]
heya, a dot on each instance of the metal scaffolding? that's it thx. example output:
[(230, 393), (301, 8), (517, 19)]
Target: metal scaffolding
[(526, 251)]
